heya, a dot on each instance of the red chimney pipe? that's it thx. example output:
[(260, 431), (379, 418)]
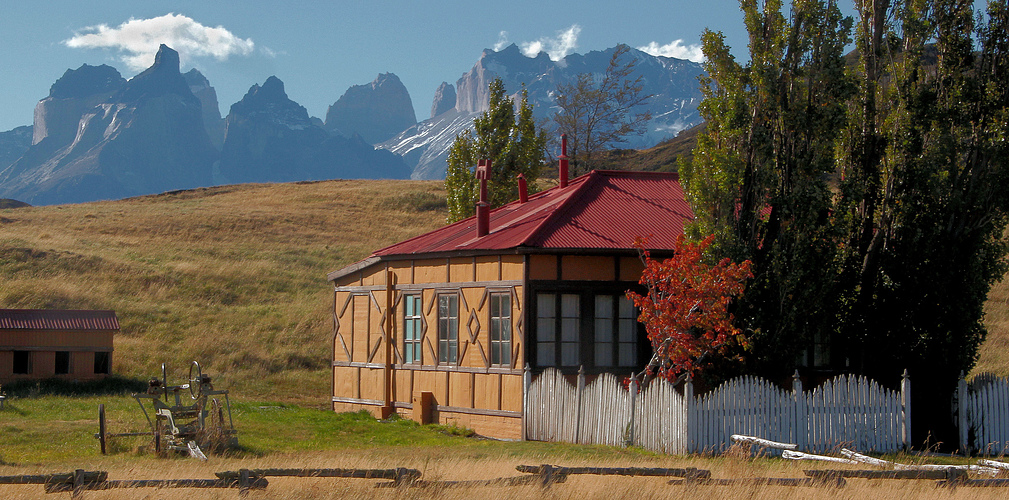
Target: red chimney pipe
[(523, 189), (563, 167), (482, 206)]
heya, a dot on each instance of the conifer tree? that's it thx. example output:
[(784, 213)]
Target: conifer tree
[(509, 139)]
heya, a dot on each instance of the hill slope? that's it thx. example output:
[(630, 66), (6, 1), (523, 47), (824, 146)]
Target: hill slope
[(231, 276), (235, 276)]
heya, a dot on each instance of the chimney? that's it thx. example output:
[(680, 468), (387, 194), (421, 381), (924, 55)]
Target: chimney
[(523, 189), (482, 206), (563, 167)]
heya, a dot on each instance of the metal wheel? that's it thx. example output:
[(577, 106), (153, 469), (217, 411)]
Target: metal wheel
[(195, 382), (101, 426)]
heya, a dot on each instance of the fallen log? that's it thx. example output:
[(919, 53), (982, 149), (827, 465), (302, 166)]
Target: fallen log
[(798, 455), (766, 443)]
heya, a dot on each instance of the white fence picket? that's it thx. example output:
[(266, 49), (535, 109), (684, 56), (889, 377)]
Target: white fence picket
[(844, 411)]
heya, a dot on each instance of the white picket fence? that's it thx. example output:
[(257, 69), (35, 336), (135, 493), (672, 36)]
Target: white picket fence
[(846, 411), (983, 415), (602, 413)]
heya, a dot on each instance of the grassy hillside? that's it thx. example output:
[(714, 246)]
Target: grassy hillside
[(235, 276), (232, 276)]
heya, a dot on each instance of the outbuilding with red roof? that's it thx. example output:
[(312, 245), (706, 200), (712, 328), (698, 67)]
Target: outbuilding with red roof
[(46, 343), (442, 327)]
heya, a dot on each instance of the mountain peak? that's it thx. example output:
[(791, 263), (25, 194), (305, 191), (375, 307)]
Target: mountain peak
[(167, 57), (86, 81), (162, 78)]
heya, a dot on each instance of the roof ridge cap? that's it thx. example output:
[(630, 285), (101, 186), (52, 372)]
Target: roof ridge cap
[(562, 206)]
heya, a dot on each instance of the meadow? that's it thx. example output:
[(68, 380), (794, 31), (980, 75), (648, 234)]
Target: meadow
[(235, 277)]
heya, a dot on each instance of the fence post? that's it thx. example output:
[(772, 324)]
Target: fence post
[(905, 398), (78, 484), (800, 424), (688, 402), (526, 382), (961, 414), (578, 403), (633, 387)]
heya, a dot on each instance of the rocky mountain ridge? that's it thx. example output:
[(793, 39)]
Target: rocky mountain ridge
[(671, 82), (99, 136)]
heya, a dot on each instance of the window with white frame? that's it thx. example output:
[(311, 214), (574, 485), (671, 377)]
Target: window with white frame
[(500, 328), (448, 328), (413, 328)]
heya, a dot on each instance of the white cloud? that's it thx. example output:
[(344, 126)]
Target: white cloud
[(139, 39), (557, 48), (675, 49), (502, 41)]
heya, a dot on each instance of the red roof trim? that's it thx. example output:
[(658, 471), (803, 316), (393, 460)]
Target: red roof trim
[(57, 319)]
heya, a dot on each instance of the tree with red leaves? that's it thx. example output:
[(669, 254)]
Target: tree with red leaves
[(686, 310)]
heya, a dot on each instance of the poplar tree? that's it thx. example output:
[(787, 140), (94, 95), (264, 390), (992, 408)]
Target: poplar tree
[(509, 139)]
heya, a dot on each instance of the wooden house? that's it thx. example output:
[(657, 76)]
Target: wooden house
[(440, 327), (68, 344)]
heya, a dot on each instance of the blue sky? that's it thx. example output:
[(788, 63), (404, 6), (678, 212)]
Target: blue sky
[(321, 48)]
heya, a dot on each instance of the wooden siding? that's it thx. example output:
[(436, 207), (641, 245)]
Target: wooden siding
[(43, 345), (588, 268), (471, 391)]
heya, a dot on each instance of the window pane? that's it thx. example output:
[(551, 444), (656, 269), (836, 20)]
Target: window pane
[(102, 362), (506, 355), (628, 330), (545, 354), (506, 330), (62, 362), (604, 330), (604, 306), (604, 354), (569, 354), (569, 305), (22, 362), (627, 308), (545, 305), (569, 329), (409, 305), (627, 355), (545, 330)]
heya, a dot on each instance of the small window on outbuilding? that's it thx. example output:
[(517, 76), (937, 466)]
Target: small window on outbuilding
[(22, 362), (62, 362), (102, 363)]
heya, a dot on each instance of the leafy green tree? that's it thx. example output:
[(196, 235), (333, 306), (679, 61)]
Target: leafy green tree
[(870, 198), (759, 177), (509, 139), (925, 194), (596, 116)]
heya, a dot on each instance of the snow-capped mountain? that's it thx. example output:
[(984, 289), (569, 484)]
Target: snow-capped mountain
[(671, 82)]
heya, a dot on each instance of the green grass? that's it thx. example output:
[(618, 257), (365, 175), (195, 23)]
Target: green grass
[(45, 428), (231, 276)]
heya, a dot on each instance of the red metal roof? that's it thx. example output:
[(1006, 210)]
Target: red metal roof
[(600, 210), (49, 319)]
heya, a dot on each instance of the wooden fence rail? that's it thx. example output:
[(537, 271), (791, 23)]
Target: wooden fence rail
[(844, 411)]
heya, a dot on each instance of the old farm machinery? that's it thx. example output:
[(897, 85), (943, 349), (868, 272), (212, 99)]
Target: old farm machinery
[(175, 425)]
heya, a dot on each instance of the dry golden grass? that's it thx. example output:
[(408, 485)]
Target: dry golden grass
[(233, 276), (450, 464), (994, 353)]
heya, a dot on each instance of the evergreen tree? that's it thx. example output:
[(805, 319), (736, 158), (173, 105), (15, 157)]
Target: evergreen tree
[(509, 139)]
